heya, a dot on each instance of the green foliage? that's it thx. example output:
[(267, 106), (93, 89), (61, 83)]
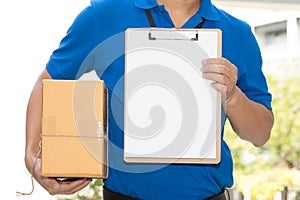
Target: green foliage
[(283, 148), (284, 145), (263, 171), (263, 184), (96, 186), (92, 192)]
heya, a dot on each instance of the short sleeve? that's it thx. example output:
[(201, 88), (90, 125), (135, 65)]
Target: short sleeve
[(252, 80), (65, 61)]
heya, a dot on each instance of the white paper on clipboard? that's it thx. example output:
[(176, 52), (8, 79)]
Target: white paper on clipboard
[(171, 114)]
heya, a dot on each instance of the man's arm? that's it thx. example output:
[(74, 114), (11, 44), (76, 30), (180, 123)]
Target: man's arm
[(33, 121), (250, 120), (33, 131)]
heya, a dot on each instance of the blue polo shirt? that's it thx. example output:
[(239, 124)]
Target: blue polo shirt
[(95, 41)]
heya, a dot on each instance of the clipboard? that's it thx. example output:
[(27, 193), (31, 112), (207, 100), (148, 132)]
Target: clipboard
[(171, 114)]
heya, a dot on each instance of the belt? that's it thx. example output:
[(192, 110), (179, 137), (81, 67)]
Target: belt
[(111, 195)]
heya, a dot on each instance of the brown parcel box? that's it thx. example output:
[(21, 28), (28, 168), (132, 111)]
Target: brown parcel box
[(74, 133)]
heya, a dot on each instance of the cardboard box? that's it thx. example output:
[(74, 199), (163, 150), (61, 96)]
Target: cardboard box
[(74, 129)]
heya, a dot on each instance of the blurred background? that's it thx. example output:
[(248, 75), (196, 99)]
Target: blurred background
[(272, 172), (32, 29)]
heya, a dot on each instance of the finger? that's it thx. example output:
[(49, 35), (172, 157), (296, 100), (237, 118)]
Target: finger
[(211, 61), (217, 69), (222, 79), (74, 186), (220, 61), (220, 88), (47, 183), (80, 186), (55, 187), (50, 184)]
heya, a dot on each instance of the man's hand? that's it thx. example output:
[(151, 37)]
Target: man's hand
[(53, 186), (33, 130), (223, 74), (256, 127)]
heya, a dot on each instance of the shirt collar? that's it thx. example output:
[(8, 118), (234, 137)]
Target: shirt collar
[(145, 4), (207, 9)]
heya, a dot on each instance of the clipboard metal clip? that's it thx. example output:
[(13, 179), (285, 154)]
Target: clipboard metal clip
[(196, 38)]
